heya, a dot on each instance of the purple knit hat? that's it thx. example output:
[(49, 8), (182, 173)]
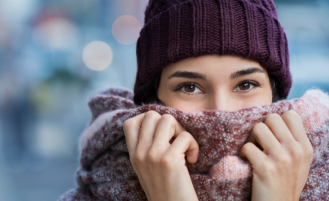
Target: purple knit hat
[(178, 29)]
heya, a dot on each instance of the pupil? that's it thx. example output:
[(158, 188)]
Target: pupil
[(189, 88), (244, 86)]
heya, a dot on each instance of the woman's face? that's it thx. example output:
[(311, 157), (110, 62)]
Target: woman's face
[(225, 83)]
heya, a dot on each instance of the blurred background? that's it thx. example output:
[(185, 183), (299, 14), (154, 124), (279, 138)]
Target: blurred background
[(54, 54)]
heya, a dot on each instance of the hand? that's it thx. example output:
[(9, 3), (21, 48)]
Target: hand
[(160, 165), (281, 167)]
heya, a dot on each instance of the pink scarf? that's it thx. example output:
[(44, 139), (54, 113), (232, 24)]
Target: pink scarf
[(219, 174)]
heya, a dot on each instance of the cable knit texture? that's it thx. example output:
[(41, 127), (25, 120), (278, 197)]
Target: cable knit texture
[(178, 29), (105, 171)]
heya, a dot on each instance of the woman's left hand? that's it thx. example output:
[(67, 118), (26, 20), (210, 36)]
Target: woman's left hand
[(281, 166)]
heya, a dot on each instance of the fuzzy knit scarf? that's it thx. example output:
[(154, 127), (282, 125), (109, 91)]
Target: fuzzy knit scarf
[(105, 172)]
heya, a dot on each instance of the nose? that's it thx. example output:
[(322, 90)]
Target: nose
[(220, 102)]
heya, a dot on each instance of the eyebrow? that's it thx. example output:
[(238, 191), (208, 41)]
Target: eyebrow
[(244, 72), (194, 75), (188, 74)]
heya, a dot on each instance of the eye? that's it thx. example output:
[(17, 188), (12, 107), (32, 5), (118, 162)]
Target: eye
[(188, 88), (246, 86)]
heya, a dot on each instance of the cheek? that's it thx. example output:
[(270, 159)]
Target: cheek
[(263, 98), (185, 106), (257, 102), (181, 102)]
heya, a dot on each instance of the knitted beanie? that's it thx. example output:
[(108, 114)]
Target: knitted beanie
[(177, 29)]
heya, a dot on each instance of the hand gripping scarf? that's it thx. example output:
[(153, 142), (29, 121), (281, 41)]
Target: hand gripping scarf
[(219, 174)]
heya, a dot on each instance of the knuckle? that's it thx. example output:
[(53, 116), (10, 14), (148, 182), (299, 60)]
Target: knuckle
[(246, 147), (272, 117), (284, 160), (267, 168), (152, 114), (138, 159), (259, 127), (127, 123), (166, 162), (152, 156), (185, 135), (297, 152), (291, 114), (167, 117)]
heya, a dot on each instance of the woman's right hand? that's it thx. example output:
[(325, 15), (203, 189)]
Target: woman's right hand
[(159, 164)]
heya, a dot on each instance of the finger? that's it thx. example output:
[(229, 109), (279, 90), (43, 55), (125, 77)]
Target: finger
[(253, 154), (167, 128), (251, 138), (279, 128), (147, 131), (295, 125), (131, 129), (263, 135), (184, 144)]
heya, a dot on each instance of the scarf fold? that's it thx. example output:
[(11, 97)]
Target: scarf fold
[(105, 171)]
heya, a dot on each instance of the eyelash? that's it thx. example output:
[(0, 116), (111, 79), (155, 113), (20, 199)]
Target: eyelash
[(180, 86), (254, 83)]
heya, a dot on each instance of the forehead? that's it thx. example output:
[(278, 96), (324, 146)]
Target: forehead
[(212, 65)]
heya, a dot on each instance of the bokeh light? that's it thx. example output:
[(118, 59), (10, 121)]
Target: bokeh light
[(126, 29), (97, 55), (56, 33), (23, 9)]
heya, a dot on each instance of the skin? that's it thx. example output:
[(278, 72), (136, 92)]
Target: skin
[(278, 149)]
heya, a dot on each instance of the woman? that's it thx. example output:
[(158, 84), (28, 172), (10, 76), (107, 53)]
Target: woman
[(233, 56), (199, 60), (225, 83)]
